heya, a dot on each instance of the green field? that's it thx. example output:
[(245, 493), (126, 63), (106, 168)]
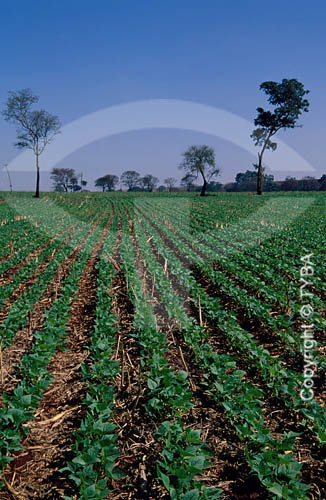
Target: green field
[(163, 346)]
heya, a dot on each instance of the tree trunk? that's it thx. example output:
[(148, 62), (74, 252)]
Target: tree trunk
[(37, 191), (203, 189), (260, 176), (260, 164)]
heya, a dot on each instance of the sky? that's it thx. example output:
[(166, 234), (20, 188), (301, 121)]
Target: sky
[(85, 56)]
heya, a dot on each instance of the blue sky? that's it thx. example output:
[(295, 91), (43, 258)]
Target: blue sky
[(84, 56)]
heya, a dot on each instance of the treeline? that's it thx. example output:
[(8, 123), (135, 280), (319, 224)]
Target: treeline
[(247, 182), (66, 179)]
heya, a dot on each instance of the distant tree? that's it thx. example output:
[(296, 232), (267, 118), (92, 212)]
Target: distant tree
[(248, 176), (247, 181), (161, 189), (107, 182), (200, 160), (62, 177), (288, 99), (290, 184), (83, 183), (214, 187), (188, 182), (322, 183), (309, 183), (73, 186), (148, 182), (35, 129), (170, 182), (130, 179), (230, 187)]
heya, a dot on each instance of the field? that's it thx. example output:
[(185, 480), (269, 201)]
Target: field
[(162, 346)]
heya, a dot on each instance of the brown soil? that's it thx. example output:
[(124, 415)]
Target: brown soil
[(12, 354), (278, 418), (35, 472)]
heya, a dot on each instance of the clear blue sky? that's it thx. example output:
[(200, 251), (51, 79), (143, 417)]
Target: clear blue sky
[(83, 56)]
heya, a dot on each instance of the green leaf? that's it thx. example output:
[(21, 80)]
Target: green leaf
[(191, 495), (151, 384), (165, 480), (277, 489)]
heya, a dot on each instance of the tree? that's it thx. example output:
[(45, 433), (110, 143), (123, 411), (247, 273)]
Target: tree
[(148, 182), (214, 187), (188, 181), (200, 160), (130, 179), (35, 129), (322, 183), (288, 100), (107, 182), (73, 186), (290, 184), (170, 182), (309, 183), (62, 178), (161, 189), (247, 181), (230, 187)]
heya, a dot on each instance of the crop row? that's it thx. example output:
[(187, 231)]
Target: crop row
[(239, 398)]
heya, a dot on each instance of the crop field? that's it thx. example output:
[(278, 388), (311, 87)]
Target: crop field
[(162, 346)]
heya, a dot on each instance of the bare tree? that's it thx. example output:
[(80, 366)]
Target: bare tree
[(170, 182), (35, 129), (188, 181)]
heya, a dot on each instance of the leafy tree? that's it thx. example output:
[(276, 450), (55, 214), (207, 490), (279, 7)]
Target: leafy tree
[(130, 179), (200, 160), (35, 129), (248, 176), (62, 178), (188, 181), (73, 186), (230, 187), (148, 182), (309, 183), (161, 189), (107, 182), (170, 182), (290, 184), (288, 100), (247, 181), (214, 187), (322, 183)]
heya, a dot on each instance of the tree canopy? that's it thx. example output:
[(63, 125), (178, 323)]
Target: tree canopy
[(130, 179), (200, 160), (35, 129), (148, 182), (107, 182), (62, 178), (288, 99)]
